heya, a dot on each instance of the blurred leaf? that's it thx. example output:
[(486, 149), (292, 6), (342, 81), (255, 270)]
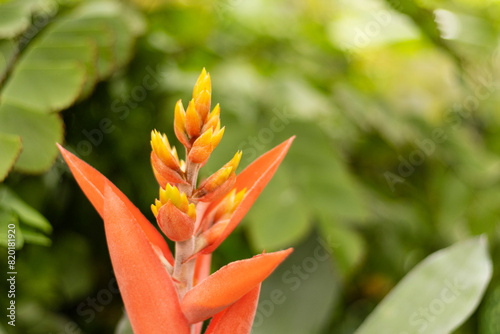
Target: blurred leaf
[(14, 18), (299, 296), (7, 50), (34, 318), (280, 217), (438, 295), (39, 133), (10, 148), (490, 313), (7, 218), (72, 54), (28, 215), (326, 184), (347, 246), (36, 238)]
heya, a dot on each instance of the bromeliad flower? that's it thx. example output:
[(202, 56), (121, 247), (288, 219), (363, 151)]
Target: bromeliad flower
[(167, 294)]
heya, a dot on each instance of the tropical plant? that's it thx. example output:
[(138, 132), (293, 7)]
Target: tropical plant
[(168, 294)]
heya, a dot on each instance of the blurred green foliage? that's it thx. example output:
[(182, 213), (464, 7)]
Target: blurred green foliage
[(394, 105)]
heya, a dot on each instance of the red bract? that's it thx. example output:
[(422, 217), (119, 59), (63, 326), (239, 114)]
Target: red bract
[(163, 294)]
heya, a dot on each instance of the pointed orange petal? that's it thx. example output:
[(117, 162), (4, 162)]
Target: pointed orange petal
[(134, 261), (193, 121), (237, 318), (254, 178), (229, 284), (202, 105), (92, 183)]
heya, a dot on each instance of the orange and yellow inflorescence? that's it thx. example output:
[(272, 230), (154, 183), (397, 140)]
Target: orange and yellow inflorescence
[(199, 131)]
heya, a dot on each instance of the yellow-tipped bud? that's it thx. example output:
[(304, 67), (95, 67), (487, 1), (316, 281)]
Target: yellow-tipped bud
[(161, 147), (219, 183), (179, 200)]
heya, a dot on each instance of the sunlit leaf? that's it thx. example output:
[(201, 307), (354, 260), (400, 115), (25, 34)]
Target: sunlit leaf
[(438, 295)]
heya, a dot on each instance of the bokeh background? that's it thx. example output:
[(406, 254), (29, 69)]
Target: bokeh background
[(395, 108)]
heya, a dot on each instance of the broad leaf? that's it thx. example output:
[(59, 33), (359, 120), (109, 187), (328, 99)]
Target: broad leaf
[(438, 295), (348, 247), (39, 133), (14, 18), (10, 148), (45, 86)]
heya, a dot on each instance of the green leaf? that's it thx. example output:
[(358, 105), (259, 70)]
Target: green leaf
[(10, 147), (489, 321), (7, 219), (36, 238), (14, 18), (438, 295), (125, 25), (82, 51), (299, 296), (28, 215), (45, 85), (348, 247), (7, 51), (100, 33), (279, 218), (39, 133), (326, 184)]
